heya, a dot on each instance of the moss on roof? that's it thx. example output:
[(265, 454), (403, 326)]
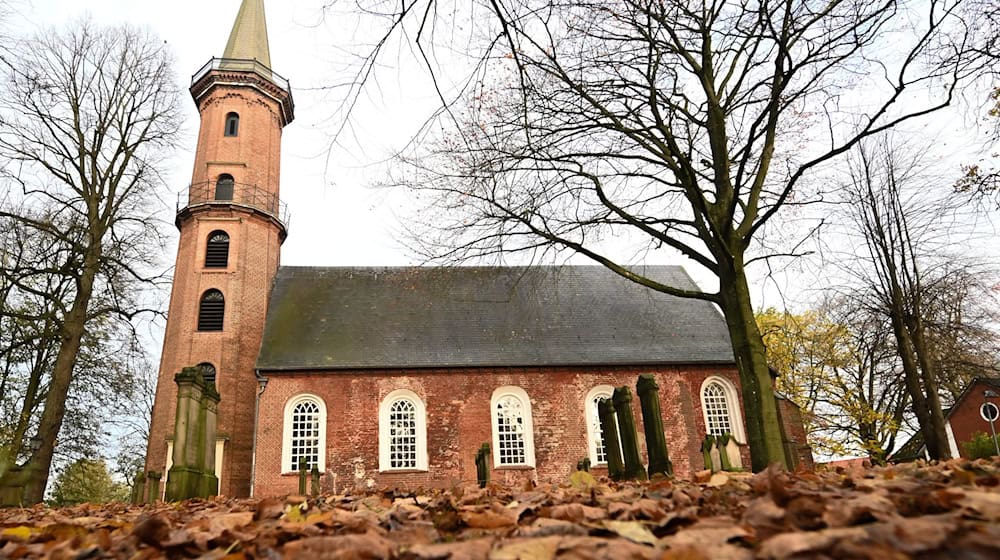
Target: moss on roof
[(411, 317)]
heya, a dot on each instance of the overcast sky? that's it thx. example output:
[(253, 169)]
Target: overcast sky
[(336, 217)]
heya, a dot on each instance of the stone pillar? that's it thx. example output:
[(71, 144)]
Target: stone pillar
[(303, 475), (152, 487), (630, 438), (12, 486), (483, 465), (184, 478), (210, 414), (652, 424), (314, 481), (138, 488), (707, 445), (722, 443), (609, 431)]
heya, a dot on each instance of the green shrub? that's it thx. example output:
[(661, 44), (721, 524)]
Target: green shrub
[(980, 446)]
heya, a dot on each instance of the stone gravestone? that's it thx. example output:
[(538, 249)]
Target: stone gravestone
[(732, 450), (652, 423), (609, 432), (482, 465), (622, 400)]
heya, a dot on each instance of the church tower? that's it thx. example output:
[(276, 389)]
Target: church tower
[(232, 224)]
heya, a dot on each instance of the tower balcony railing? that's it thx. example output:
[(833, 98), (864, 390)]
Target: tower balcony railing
[(211, 193), (241, 65)]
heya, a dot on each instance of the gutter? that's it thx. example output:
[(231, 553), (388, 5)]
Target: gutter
[(262, 384)]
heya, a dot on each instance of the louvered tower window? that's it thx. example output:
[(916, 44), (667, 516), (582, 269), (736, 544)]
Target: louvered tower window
[(211, 311), (207, 372), (224, 187), (217, 250), (232, 124)]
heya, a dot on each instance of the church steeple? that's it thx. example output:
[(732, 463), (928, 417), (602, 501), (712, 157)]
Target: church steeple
[(248, 40), (232, 223)]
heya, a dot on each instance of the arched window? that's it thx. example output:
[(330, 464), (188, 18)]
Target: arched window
[(595, 436), (224, 187), (217, 250), (207, 372), (720, 406), (513, 432), (211, 311), (402, 427), (304, 433), (232, 124)]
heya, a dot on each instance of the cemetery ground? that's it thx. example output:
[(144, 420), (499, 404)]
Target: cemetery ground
[(944, 510)]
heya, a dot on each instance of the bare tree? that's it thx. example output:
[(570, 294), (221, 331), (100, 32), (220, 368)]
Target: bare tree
[(688, 125), (86, 118), (904, 275)]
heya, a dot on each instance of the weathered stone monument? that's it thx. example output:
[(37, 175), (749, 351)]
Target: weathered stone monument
[(622, 399), (482, 465), (153, 486), (652, 424), (609, 431), (193, 472)]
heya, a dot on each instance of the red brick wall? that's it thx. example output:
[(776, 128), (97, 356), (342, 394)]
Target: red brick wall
[(252, 157), (965, 418), (459, 421)]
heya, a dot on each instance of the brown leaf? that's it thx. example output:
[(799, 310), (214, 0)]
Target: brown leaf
[(544, 527), (577, 513), (593, 548), (342, 547), (631, 530), (152, 531), (807, 544), (495, 517), (465, 550), (862, 508), (535, 549)]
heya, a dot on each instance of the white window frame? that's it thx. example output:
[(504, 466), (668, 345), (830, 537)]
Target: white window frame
[(384, 410), (590, 410), (529, 427), (732, 404), (286, 438)]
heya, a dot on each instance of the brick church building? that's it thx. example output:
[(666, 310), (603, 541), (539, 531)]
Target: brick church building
[(397, 376)]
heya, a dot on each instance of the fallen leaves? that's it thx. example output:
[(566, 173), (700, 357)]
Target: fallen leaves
[(947, 510)]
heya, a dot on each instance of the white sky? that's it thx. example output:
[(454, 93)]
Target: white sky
[(337, 218)]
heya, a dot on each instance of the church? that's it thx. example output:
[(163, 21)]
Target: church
[(395, 377)]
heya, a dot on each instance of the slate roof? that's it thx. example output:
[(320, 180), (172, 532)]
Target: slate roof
[(417, 317)]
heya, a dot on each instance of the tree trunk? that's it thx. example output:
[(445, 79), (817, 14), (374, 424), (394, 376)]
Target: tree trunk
[(933, 437), (760, 408), (62, 377), (929, 376)]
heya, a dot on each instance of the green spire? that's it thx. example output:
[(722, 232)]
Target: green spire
[(249, 37)]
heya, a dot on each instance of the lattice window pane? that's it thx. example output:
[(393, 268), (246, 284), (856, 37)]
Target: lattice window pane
[(403, 435), (305, 435), (717, 410), (510, 431), (600, 452)]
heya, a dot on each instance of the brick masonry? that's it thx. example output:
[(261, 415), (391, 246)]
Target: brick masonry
[(253, 158), (965, 417), (459, 421)]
